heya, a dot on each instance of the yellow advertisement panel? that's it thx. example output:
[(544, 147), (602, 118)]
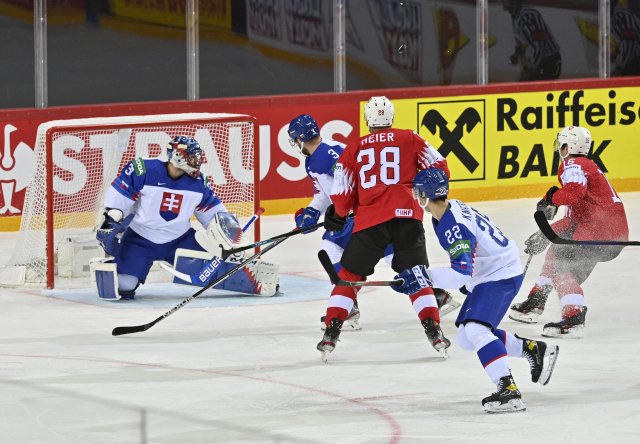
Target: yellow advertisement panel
[(501, 145), (212, 13)]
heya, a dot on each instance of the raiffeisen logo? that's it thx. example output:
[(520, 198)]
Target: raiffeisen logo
[(456, 129)]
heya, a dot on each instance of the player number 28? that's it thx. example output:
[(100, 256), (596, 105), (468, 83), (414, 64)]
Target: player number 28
[(389, 162)]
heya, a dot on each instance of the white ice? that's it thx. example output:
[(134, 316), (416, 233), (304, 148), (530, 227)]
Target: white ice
[(231, 369)]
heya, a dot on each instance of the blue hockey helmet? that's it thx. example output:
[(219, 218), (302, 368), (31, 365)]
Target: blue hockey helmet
[(431, 183), (185, 153), (302, 129)]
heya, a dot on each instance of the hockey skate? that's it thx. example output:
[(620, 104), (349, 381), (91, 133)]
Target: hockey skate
[(505, 399), (446, 303), (571, 325), (330, 339), (542, 359), (352, 323), (531, 308), (436, 337)]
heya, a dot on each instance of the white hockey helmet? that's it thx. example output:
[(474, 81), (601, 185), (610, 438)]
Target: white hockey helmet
[(378, 112), (577, 139)]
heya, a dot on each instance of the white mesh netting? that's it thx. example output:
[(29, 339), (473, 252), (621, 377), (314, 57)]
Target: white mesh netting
[(87, 155)]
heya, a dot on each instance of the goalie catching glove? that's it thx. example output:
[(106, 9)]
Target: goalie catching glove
[(415, 279)]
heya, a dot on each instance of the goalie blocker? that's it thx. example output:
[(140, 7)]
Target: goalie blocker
[(259, 277)]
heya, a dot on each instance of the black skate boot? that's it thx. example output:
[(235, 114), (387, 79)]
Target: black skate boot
[(531, 308), (506, 399), (330, 338), (436, 336), (542, 359), (571, 325), (446, 303), (352, 322)]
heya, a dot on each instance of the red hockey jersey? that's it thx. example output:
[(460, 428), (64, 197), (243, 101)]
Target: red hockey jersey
[(374, 178), (594, 209)]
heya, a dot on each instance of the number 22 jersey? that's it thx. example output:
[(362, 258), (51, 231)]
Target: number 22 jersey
[(479, 252)]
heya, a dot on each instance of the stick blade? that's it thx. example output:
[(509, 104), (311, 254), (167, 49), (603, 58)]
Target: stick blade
[(130, 329)]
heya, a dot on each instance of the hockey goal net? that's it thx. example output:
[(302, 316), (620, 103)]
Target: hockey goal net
[(76, 161)]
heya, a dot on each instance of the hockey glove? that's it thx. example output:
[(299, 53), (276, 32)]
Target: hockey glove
[(305, 217), (415, 279), (536, 243), (546, 204), (111, 231), (332, 221)]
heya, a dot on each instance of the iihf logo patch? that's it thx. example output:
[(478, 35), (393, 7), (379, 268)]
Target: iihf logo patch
[(170, 205)]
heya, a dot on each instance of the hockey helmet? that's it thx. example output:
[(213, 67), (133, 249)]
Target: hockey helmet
[(185, 153), (428, 184), (302, 129), (576, 138), (378, 112)]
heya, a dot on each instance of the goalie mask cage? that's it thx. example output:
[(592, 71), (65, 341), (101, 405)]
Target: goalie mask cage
[(76, 160)]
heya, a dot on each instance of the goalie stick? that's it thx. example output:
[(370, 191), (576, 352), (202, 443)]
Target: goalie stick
[(144, 327), (336, 280), (226, 253), (548, 232)]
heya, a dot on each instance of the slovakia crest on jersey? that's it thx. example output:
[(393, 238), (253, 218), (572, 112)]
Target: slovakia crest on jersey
[(170, 205)]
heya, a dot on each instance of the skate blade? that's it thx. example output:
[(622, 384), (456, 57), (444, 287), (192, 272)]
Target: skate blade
[(513, 406), (550, 356), (324, 355), (443, 352), (347, 326), (527, 318), (569, 333), (449, 306)]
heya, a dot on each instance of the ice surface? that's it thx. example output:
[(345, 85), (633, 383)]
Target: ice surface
[(229, 368)]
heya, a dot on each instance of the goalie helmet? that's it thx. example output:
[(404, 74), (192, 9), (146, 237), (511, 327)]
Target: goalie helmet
[(577, 139), (185, 153), (431, 183), (302, 129), (378, 112)]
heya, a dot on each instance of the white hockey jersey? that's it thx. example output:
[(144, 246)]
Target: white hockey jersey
[(163, 206), (319, 167), (478, 250)]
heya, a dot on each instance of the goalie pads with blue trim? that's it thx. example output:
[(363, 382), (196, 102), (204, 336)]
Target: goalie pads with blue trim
[(103, 271), (259, 277)]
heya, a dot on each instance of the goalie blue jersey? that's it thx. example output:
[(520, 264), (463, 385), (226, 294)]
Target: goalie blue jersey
[(479, 252), (162, 206), (319, 167)]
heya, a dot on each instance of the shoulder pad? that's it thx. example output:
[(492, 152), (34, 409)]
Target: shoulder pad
[(139, 166)]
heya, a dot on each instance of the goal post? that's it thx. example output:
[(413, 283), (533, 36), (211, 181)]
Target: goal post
[(77, 159)]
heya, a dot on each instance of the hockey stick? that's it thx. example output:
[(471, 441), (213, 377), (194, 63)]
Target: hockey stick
[(336, 280), (548, 232), (526, 267), (144, 327), (226, 253)]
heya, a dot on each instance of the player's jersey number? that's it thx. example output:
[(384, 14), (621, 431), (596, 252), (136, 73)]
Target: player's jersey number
[(494, 232), (388, 166)]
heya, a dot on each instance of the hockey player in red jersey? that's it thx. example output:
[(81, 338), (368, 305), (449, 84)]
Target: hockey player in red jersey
[(594, 212), (374, 179)]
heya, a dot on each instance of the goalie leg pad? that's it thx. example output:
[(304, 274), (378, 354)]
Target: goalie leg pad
[(259, 277), (106, 278), (190, 262)]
